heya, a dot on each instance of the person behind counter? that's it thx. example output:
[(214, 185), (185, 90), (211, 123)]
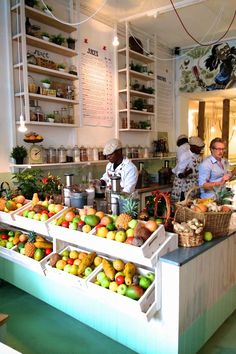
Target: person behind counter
[(119, 165), (188, 177), (214, 169)]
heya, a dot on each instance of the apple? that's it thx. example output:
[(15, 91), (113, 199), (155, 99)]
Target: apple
[(130, 232), (208, 236), (65, 258), (74, 269), (65, 224), (150, 276), (65, 253), (9, 244), (102, 231), (11, 233), (25, 213), (121, 289), (106, 220), (73, 225), (44, 217), (129, 240), (100, 276), (132, 223), (73, 254), (45, 203), (37, 216), (144, 282), (4, 237), (57, 208), (76, 219), (151, 225), (113, 286), (61, 264), (48, 251), (119, 273), (105, 282), (19, 199), (86, 228), (50, 214), (88, 271), (31, 214), (51, 207), (120, 279), (67, 268), (44, 212), (121, 236), (70, 261), (111, 235)]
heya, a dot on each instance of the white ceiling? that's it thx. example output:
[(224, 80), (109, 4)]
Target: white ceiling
[(206, 20)]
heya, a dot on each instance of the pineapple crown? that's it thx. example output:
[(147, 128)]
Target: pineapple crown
[(32, 236), (130, 205)]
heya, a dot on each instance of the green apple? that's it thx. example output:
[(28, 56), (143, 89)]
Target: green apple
[(37, 216), (100, 276), (73, 225), (76, 219), (208, 236), (111, 235), (9, 244), (65, 253), (150, 276), (88, 271), (130, 232), (121, 289), (67, 268), (113, 286), (51, 208), (44, 217), (31, 214), (11, 238), (25, 213), (105, 282), (74, 269), (11, 234), (132, 223), (144, 282), (121, 236), (65, 258), (45, 203), (114, 217)]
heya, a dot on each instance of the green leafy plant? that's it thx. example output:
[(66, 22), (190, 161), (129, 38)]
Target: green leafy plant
[(19, 152), (51, 185), (45, 34), (46, 81), (57, 39), (28, 182), (61, 66)]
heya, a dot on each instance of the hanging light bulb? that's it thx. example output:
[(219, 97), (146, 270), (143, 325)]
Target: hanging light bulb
[(115, 41), (22, 128), (213, 130)]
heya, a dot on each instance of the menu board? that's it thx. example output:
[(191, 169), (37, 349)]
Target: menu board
[(97, 86)]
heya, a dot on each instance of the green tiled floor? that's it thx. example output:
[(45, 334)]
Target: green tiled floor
[(37, 328)]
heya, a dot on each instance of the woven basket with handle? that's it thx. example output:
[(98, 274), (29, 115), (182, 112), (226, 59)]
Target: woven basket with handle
[(215, 222)]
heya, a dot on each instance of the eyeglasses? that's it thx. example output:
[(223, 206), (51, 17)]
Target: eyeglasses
[(219, 149)]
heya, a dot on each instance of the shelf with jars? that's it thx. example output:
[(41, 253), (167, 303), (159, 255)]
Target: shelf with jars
[(136, 87)]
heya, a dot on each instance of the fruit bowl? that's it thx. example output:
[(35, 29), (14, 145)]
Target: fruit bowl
[(33, 141)]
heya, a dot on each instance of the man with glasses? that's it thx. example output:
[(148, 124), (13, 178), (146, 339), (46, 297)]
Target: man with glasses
[(214, 169)]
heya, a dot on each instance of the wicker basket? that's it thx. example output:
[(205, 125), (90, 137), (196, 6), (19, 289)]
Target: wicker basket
[(46, 63), (216, 222), (187, 239)]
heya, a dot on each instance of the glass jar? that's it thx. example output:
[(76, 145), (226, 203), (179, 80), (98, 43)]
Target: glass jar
[(95, 154), (64, 115), (39, 113), (76, 153), (57, 117), (90, 153), (51, 155), (61, 154), (69, 155), (83, 154)]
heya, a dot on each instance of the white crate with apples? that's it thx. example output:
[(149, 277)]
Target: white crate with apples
[(30, 263), (64, 277), (32, 224), (126, 303), (108, 247), (9, 217)]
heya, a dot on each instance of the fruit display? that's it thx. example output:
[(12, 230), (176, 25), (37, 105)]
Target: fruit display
[(75, 262), (123, 278), (121, 228), (10, 203), (33, 137), (9, 238), (33, 246)]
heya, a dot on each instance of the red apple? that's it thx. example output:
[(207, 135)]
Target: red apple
[(129, 240), (65, 224)]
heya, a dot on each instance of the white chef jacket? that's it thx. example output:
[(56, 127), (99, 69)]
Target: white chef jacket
[(183, 154), (128, 173)]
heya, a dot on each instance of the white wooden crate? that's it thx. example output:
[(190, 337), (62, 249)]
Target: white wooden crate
[(8, 217)]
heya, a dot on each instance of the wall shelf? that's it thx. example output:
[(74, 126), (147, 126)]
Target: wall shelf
[(36, 96), (45, 71), (135, 55)]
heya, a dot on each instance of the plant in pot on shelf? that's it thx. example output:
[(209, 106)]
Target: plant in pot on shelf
[(19, 153), (138, 104), (45, 36), (46, 83), (61, 67), (28, 182), (51, 117), (71, 42), (57, 39)]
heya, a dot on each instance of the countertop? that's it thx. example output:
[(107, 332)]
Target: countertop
[(153, 187)]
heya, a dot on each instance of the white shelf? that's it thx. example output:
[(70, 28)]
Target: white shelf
[(136, 130), (62, 125), (137, 75), (46, 19), (138, 93), (136, 112), (36, 96), (135, 55), (41, 70), (40, 43)]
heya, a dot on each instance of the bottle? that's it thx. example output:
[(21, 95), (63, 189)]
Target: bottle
[(51, 156), (61, 154), (165, 173), (76, 153)]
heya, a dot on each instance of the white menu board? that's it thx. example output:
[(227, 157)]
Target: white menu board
[(97, 86)]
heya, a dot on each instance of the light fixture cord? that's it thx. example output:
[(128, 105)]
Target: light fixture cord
[(18, 57)]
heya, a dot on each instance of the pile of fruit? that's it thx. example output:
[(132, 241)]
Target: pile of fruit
[(9, 238), (208, 205), (8, 204), (75, 262), (41, 210), (123, 278), (33, 245), (33, 137), (121, 228)]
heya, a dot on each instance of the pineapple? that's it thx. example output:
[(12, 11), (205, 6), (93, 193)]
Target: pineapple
[(29, 246), (129, 212)]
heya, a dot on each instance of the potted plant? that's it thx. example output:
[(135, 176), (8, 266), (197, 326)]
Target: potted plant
[(138, 104), (57, 39), (28, 182), (71, 42), (47, 9), (61, 67), (19, 153), (51, 117), (45, 36), (46, 83)]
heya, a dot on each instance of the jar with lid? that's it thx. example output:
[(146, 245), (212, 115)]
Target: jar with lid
[(146, 152), (83, 154), (69, 155), (76, 153), (51, 155), (39, 114), (57, 117), (61, 154), (134, 152), (64, 115)]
